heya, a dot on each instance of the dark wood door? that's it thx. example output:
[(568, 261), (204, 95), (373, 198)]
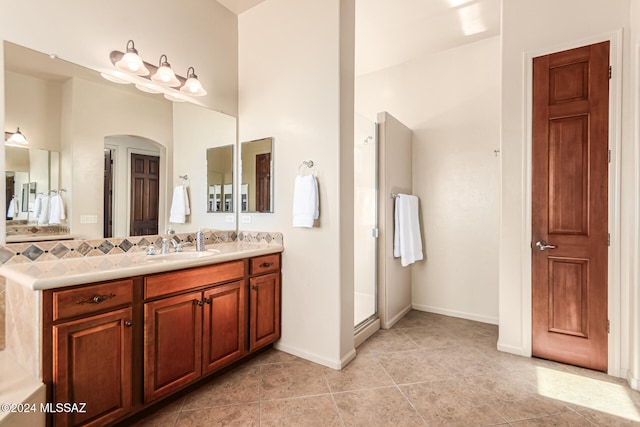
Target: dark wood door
[(224, 336), (264, 311), (263, 182), (145, 193), (108, 193), (92, 364), (10, 190), (172, 344), (570, 203)]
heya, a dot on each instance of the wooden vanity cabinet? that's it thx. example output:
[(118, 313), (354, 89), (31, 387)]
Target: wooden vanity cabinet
[(121, 345), (194, 333), (92, 352), (264, 311)]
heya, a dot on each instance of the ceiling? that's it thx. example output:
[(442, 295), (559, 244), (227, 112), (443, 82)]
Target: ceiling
[(392, 32)]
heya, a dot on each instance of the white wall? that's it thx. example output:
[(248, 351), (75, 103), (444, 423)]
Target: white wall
[(93, 111), (195, 130), (395, 176), (450, 100), (290, 88), (567, 24), (34, 104)]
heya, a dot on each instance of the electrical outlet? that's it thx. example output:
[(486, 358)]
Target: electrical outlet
[(229, 218), (246, 219)]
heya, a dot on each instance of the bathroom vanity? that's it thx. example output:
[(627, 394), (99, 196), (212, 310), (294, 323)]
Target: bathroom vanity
[(118, 334)]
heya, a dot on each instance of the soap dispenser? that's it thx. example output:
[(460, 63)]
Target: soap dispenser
[(200, 240)]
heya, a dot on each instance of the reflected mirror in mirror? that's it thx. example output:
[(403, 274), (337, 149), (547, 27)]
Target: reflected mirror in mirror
[(220, 179), (256, 185), (30, 173), (37, 91)]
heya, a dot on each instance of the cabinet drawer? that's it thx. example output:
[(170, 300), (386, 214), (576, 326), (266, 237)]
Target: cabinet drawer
[(92, 298), (183, 280), (264, 264)]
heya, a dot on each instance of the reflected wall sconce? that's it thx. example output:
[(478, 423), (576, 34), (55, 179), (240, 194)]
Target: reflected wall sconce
[(15, 138), (130, 68)]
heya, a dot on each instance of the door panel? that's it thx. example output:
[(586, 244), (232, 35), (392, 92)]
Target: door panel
[(145, 194), (570, 206), (224, 325), (263, 182), (172, 344), (92, 364)]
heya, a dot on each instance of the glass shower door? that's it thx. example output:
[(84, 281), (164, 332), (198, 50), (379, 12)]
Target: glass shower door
[(365, 221)]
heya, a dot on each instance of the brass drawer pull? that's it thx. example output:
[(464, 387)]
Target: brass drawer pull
[(266, 264), (96, 299), (255, 287), (128, 323), (198, 302)]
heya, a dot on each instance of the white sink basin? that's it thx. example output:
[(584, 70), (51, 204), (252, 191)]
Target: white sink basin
[(174, 256)]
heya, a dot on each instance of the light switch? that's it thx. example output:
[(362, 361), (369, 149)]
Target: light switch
[(88, 219)]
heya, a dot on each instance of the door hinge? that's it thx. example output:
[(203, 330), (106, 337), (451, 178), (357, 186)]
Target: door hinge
[(610, 71), (608, 327), (374, 232), (609, 156), (608, 239)]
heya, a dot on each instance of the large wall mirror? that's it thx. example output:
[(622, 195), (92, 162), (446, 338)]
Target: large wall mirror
[(256, 184), (97, 125)]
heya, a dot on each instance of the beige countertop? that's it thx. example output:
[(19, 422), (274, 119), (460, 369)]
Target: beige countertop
[(75, 271)]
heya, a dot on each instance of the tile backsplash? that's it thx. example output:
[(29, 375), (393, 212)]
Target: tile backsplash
[(14, 253)]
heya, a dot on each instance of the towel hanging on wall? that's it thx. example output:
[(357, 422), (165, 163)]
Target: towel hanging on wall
[(407, 241), (305, 201)]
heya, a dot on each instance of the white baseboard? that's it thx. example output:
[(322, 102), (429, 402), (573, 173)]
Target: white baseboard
[(336, 364), (388, 324), (518, 351), (634, 383), (455, 313)]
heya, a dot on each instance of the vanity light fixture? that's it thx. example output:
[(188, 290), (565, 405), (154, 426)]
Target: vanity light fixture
[(153, 79), (193, 86), (131, 62), (16, 138), (164, 74)]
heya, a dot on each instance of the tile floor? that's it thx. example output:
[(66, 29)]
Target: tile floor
[(428, 370)]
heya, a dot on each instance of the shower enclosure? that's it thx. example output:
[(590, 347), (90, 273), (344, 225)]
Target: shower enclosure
[(365, 221)]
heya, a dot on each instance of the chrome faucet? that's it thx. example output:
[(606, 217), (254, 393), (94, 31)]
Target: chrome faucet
[(167, 249)]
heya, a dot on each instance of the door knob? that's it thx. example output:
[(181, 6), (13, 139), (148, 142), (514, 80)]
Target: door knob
[(542, 245)]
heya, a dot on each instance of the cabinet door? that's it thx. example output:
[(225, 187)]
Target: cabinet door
[(172, 343), (264, 312), (224, 331), (92, 364)]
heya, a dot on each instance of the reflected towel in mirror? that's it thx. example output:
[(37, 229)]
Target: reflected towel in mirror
[(56, 210), (179, 205)]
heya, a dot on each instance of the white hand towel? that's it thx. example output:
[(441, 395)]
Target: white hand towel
[(37, 205), (56, 210), (179, 205), (43, 218), (12, 211), (305, 201), (407, 242)]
